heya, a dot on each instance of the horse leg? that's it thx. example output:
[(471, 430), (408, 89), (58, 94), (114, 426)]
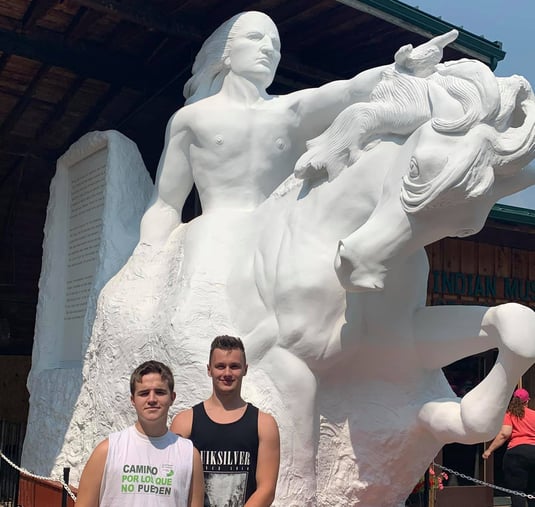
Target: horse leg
[(296, 416), (510, 328)]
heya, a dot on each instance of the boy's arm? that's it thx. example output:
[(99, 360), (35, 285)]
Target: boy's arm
[(196, 490), (89, 489), (502, 437), (267, 467), (181, 424)]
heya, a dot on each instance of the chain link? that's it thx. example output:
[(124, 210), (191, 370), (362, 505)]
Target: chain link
[(482, 483), (446, 469), (39, 477)]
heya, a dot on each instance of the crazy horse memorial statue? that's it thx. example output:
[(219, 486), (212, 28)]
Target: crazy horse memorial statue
[(317, 206)]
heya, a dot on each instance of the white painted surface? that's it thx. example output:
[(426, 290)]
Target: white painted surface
[(324, 278), (101, 228)]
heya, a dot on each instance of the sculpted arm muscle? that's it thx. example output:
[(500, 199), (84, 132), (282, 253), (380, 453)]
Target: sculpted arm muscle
[(332, 98), (181, 424), (267, 468), (318, 107), (89, 489), (174, 180), (196, 490)]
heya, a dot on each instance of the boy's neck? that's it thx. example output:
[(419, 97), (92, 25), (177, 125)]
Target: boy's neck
[(151, 430)]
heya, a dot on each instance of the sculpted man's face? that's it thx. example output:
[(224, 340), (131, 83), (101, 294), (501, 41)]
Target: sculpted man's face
[(255, 49)]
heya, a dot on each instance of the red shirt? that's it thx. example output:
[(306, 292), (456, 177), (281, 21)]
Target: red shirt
[(523, 429)]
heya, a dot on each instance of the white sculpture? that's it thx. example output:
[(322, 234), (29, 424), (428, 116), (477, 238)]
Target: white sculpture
[(324, 278)]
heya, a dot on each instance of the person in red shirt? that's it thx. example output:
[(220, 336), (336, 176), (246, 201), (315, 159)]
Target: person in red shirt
[(519, 459)]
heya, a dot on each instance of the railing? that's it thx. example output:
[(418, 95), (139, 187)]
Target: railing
[(11, 439)]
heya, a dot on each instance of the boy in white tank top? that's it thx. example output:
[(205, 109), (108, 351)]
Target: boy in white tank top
[(144, 465)]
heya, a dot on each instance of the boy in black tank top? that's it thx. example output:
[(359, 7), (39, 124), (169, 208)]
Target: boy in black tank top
[(239, 444)]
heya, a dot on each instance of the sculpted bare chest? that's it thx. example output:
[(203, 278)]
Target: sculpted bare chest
[(234, 132)]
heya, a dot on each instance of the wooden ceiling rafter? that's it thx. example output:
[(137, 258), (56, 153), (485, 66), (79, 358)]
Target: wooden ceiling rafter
[(3, 61), (292, 14), (151, 19), (35, 11), (121, 64), (145, 100), (17, 146), (83, 21), (15, 114), (137, 12), (6, 237), (55, 117), (102, 65), (85, 125), (220, 11)]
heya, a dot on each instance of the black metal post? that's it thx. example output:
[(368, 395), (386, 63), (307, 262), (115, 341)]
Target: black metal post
[(66, 472)]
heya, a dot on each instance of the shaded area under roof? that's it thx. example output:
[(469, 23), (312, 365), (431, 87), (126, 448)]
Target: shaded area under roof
[(68, 67)]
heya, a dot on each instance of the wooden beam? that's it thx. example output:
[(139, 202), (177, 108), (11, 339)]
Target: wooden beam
[(103, 65), (23, 147), (22, 104), (35, 11), (92, 117), (137, 12), (142, 13), (81, 24)]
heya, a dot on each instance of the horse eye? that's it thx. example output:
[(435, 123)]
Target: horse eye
[(414, 170)]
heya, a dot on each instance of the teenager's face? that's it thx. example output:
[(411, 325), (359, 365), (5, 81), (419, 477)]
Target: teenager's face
[(227, 369), (152, 398), (255, 49)]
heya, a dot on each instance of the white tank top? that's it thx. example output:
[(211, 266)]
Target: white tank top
[(143, 471)]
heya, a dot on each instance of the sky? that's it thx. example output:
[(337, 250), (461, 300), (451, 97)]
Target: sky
[(510, 22)]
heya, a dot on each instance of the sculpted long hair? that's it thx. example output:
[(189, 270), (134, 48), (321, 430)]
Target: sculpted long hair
[(210, 66)]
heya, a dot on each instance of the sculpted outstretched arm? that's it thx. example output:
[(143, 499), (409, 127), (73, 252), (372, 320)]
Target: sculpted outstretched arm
[(320, 106), (174, 181)]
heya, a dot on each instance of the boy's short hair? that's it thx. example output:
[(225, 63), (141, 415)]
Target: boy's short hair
[(226, 342), (152, 367)]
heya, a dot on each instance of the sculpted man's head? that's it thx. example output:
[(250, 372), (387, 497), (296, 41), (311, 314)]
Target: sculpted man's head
[(247, 44)]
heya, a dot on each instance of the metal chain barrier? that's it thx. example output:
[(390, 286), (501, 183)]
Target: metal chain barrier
[(40, 477), (446, 469), (483, 483)]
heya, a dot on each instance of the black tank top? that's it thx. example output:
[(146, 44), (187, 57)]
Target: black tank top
[(229, 453)]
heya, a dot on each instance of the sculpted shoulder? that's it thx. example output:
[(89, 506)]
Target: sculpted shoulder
[(183, 118), (200, 115)]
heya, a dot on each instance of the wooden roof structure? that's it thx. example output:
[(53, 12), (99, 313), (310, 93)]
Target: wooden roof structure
[(68, 67)]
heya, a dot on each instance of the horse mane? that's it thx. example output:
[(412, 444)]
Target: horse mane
[(475, 87), (399, 102), (491, 108)]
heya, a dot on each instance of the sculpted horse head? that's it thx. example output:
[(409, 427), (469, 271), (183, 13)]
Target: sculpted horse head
[(449, 160)]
